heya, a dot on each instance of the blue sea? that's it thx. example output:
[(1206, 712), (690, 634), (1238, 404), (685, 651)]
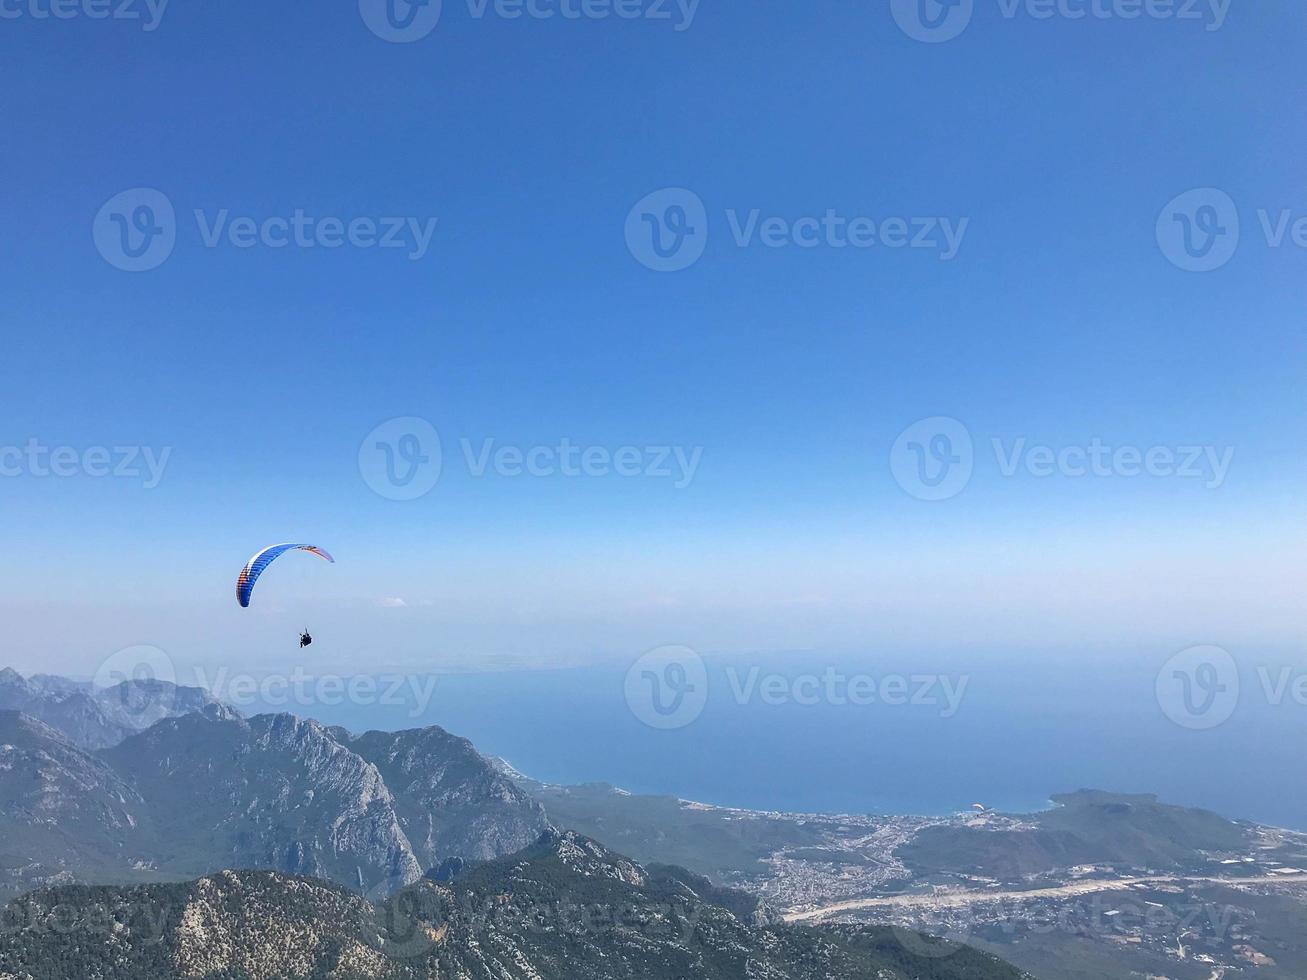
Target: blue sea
[(769, 734)]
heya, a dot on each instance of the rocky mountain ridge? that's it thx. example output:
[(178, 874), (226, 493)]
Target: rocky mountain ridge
[(563, 909), (450, 800), (209, 789)]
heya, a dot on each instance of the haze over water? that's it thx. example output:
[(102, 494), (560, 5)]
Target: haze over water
[(1021, 733)]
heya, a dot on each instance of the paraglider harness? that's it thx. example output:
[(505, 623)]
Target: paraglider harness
[(305, 639)]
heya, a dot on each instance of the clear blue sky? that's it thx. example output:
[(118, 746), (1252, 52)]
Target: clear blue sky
[(529, 321)]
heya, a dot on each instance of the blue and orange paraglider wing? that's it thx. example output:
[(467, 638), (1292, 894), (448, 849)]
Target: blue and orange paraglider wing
[(255, 566)]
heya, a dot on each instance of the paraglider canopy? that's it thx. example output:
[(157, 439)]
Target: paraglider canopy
[(256, 565)]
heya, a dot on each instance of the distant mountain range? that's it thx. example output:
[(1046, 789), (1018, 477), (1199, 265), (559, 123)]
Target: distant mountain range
[(1110, 831), (203, 789), (97, 717), (563, 909), (1085, 828), (193, 841), (274, 847)]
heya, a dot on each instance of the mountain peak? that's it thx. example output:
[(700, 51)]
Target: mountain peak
[(274, 791), (588, 857), (570, 845), (562, 853), (451, 801), (217, 711)]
